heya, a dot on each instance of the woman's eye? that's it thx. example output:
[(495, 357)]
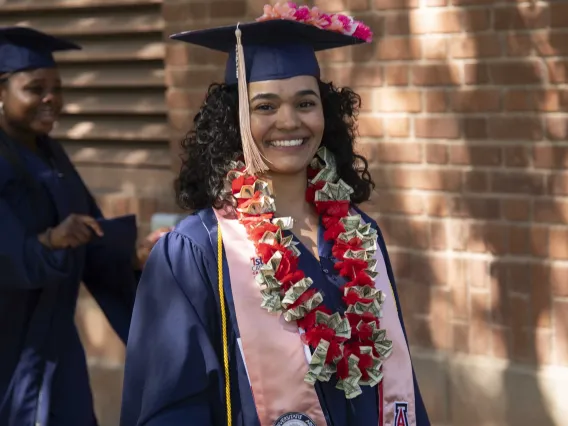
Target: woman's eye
[(36, 90), (307, 104), (263, 107)]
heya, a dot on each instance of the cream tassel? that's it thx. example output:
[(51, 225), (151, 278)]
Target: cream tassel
[(253, 158)]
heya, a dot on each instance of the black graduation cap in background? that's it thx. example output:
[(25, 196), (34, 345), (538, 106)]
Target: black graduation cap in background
[(23, 48)]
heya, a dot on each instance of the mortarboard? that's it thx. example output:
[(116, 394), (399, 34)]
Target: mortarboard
[(23, 48), (281, 44)]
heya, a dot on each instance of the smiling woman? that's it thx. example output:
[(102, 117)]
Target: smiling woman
[(274, 303)]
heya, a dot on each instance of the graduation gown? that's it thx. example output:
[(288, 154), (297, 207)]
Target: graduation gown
[(43, 371), (174, 370)]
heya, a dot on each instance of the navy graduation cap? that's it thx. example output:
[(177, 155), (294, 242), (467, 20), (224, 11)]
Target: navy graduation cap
[(23, 48), (281, 44)]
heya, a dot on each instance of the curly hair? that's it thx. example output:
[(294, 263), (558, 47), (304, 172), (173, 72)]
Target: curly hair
[(214, 141)]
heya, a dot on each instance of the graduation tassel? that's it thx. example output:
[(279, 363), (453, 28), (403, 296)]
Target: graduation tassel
[(253, 158)]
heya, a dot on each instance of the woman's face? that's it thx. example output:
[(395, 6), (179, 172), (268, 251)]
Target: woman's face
[(287, 122), (32, 100)]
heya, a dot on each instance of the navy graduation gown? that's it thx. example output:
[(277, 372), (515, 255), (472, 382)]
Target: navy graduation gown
[(43, 371), (174, 372)]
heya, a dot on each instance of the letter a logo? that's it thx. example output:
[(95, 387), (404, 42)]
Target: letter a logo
[(400, 414)]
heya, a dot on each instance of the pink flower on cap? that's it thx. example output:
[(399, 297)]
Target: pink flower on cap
[(339, 23)]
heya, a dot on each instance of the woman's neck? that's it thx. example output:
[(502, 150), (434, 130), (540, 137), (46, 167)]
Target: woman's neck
[(289, 194), (27, 139)]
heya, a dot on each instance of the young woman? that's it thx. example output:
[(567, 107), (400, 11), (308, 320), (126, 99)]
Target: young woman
[(274, 303), (53, 236)]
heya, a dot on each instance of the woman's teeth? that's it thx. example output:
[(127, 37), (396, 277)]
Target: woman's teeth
[(292, 142)]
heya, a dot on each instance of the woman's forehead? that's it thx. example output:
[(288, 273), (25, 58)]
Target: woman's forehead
[(284, 87), (47, 74)]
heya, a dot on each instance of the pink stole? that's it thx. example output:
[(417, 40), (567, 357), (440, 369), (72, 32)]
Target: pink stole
[(274, 354)]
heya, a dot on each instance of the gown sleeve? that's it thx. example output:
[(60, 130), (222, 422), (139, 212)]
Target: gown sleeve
[(170, 359), (24, 262), (109, 273)]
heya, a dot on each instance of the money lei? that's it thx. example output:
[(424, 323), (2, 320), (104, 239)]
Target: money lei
[(297, 301)]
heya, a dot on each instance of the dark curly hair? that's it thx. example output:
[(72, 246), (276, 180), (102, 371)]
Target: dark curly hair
[(215, 141)]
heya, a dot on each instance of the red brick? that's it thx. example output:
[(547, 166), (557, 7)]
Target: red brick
[(397, 24), (553, 44), (519, 128), (473, 2), (518, 100), (551, 211), (480, 100), (560, 310), (475, 155), (522, 341), (437, 127), (400, 202), (476, 73), (399, 152), (559, 15), (398, 101), (520, 17), (438, 236), (481, 46), (557, 128), (396, 75), (487, 238), (519, 240), (194, 78), (476, 20), (480, 332), (552, 100), (357, 5), (367, 150), (434, 47), (435, 101), (557, 70), (370, 126), (517, 183), (540, 291), (559, 280), (558, 244), (398, 49), (557, 184), (514, 209), (437, 205), (517, 156), (395, 4), (461, 338), (398, 127), (347, 75), (539, 241), (475, 208), (436, 153), (411, 178), (476, 181), (550, 157), (475, 128), (435, 75), (500, 337), (516, 73), (519, 44), (186, 12), (430, 21)]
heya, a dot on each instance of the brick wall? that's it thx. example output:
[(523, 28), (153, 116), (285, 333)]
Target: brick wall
[(463, 122)]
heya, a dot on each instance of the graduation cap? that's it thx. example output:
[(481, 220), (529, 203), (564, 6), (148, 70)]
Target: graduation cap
[(23, 48), (281, 44)]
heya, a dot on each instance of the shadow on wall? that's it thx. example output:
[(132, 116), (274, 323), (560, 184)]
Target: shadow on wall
[(473, 253)]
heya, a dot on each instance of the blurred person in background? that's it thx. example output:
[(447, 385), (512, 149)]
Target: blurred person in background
[(52, 237)]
